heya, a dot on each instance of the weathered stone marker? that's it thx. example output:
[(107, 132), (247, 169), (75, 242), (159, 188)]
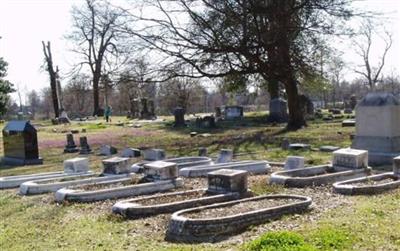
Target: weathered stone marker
[(350, 158), (116, 165), (76, 165), (227, 180), (179, 114), (378, 127), (233, 112), (20, 144), (225, 156), (130, 153), (160, 170), (107, 150), (153, 154), (203, 151), (85, 148), (278, 111), (294, 162), (396, 166)]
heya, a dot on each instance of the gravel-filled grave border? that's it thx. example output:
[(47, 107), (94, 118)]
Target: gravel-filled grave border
[(369, 185), (138, 207), (124, 191), (316, 175), (182, 228)]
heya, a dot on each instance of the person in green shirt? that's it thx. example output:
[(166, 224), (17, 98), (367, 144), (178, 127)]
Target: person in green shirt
[(107, 113)]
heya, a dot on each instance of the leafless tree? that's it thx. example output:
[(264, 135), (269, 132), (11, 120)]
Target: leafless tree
[(98, 39), (216, 38), (363, 46), (53, 73)]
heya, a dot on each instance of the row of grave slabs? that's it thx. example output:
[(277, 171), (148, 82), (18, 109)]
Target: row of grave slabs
[(201, 214)]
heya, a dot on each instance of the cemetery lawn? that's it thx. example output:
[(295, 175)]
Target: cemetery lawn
[(335, 222)]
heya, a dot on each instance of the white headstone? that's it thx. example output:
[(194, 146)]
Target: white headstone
[(154, 154), (116, 165), (161, 170), (350, 158), (294, 162), (76, 165), (107, 150), (225, 155)]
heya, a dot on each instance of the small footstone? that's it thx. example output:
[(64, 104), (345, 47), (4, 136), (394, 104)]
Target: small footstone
[(116, 165), (294, 162), (153, 154), (227, 180), (225, 156), (107, 150), (350, 158), (76, 165), (203, 151), (130, 153), (160, 170)]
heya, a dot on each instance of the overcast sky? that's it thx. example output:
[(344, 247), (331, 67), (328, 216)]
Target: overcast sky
[(25, 23)]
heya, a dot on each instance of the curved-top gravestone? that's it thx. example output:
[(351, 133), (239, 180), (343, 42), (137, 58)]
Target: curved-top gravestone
[(20, 144), (378, 127)]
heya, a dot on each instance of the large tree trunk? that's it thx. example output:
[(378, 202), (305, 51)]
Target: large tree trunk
[(96, 103), (53, 77), (296, 116)]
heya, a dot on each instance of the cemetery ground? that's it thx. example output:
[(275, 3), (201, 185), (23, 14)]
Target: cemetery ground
[(335, 222)]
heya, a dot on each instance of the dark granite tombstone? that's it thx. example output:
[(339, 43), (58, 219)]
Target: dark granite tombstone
[(278, 111), (179, 114), (20, 144), (85, 148), (218, 113), (70, 147)]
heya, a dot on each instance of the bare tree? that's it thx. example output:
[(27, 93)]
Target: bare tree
[(273, 39), (96, 34), (53, 77), (363, 46)]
